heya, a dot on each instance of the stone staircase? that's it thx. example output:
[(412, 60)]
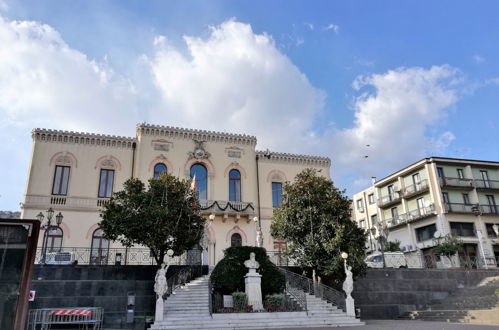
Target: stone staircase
[(188, 308), (477, 305)]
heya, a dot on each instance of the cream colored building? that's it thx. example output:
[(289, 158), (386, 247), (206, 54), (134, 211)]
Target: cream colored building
[(435, 195), (76, 173)]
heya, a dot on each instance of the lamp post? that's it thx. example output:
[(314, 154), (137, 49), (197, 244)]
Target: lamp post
[(47, 228), (382, 237)]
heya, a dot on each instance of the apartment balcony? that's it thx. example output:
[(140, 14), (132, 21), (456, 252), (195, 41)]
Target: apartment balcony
[(411, 216), (227, 208), (456, 183), (390, 199), (416, 189), (64, 202), (486, 184), (459, 208), (489, 210)]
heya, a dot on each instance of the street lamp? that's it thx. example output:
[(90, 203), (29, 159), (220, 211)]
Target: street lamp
[(259, 234), (382, 237), (344, 256), (47, 228)]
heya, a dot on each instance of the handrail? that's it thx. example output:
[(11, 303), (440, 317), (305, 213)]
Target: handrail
[(181, 277), (304, 284), (210, 296)]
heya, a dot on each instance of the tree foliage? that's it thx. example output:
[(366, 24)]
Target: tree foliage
[(314, 220), (164, 216), (392, 246), (450, 245)]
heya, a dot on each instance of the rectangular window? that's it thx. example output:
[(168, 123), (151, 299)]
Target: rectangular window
[(390, 192), (276, 194), (371, 198), (359, 205), (362, 223), (485, 178), (425, 233), (61, 179), (374, 219), (395, 212), (106, 183), (420, 203), (440, 172), (466, 199), (464, 229), (460, 173), (416, 179), (492, 203), (445, 197), (490, 230)]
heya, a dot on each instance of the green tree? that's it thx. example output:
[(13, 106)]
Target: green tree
[(392, 246), (449, 246), (164, 216), (314, 220)]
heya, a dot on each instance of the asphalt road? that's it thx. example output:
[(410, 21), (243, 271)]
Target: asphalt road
[(413, 325)]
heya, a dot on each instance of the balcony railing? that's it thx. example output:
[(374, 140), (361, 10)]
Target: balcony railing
[(487, 184), (65, 202), (411, 216), (459, 208), (389, 199), (456, 182), (211, 206), (416, 188), (489, 209)]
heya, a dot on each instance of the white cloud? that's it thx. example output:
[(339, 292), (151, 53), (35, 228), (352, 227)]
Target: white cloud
[(392, 122), (478, 59), (238, 81), (310, 26), (45, 82), (333, 27)]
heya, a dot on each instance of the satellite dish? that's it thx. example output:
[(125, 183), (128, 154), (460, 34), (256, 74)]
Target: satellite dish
[(436, 234)]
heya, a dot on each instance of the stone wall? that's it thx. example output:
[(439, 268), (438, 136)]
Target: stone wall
[(386, 294), (92, 286)]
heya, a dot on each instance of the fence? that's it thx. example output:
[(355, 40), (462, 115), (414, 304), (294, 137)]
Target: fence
[(279, 258), (111, 256), (84, 317)]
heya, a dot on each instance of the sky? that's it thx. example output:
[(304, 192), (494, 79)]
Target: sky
[(374, 85)]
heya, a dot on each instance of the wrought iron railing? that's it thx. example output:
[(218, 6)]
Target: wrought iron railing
[(489, 209), (456, 182), (297, 286), (459, 207), (415, 188), (411, 215), (111, 256), (279, 258), (183, 276), (486, 184), (389, 199)]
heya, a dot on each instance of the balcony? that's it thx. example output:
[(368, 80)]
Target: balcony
[(459, 208), (227, 208), (411, 216), (64, 202), (489, 209), (390, 199), (415, 189), (486, 184), (456, 183)]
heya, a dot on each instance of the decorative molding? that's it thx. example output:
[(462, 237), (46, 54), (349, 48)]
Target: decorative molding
[(64, 158), (234, 230), (199, 151), (194, 134), (234, 152), (161, 159), (235, 166), (162, 145), (292, 158), (108, 161), (70, 137), (206, 162), (276, 176), (91, 230)]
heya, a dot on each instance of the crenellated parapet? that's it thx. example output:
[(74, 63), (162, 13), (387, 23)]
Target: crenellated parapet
[(80, 138), (195, 134), (293, 158)]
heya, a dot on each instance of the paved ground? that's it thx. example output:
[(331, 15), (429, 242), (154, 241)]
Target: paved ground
[(413, 325)]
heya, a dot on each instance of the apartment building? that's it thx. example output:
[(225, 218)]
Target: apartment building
[(76, 173), (432, 198)]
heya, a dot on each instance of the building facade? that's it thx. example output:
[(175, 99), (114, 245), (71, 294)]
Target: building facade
[(422, 203), (76, 173)]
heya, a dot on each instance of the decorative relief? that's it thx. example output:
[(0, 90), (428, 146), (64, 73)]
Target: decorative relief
[(234, 152), (162, 145), (107, 163), (199, 151), (63, 160)]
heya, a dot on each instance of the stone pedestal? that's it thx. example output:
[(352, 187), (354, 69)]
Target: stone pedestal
[(159, 310), (350, 306), (253, 288)]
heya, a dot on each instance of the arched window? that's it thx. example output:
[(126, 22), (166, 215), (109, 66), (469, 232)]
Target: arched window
[(54, 239), (159, 168), (236, 240), (99, 248), (234, 186), (200, 175)]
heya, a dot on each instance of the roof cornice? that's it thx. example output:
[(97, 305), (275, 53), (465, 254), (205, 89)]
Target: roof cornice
[(294, 158), (195, 134), (60, 136)]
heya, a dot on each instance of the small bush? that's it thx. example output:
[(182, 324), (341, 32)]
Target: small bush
[(228, 275), (274, 300), (239, 300)]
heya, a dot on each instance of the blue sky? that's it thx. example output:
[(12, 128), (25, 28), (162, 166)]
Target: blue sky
[(410, 79)]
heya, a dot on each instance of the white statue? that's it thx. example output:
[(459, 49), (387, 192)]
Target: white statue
[(252, 264), (348, 284), (160, 285), (252, 283)]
